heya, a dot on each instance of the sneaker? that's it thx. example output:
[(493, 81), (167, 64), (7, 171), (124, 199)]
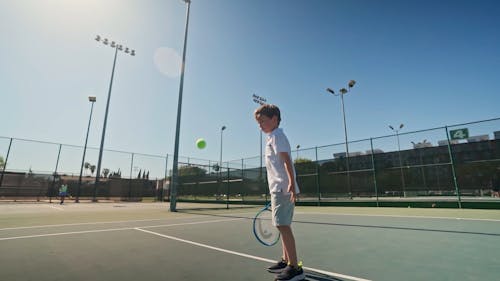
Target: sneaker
[(277, 267), (291, 273)]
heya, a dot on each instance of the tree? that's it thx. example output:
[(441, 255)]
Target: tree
[(105, 172), (87, 167), (92, 169), (2, 162), (304, 166), (191, 171)]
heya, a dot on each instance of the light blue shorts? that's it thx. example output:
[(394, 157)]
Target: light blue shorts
[(282, 208)]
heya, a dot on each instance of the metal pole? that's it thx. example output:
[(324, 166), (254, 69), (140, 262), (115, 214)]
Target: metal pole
[(457, 190), (77, 200), (98, 172), (175, 168), (401, 165), (346, 147), (422, 170), (220, 158), (374, 171), (260, 155), (165, 182), (5, 162), (55, 174), (227, 193), (130, 179), (317, 177)]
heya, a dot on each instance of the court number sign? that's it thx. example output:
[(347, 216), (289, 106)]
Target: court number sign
[(459, 134)]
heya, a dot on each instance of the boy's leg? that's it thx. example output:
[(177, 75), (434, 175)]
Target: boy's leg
[(285, 254), (288, 241)]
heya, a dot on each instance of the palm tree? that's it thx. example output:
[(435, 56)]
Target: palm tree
[(86, 166), (105, 172), (92, 169), (2, 162)]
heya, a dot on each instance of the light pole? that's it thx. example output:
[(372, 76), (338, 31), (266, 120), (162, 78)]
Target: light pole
[(175, 164), (399, 155), (117, 47), (260, 100), (92, 100), (220, 161), (298, 146), (341, 93)]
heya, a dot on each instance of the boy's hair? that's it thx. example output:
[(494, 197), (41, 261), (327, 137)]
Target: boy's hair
[(268, 110)]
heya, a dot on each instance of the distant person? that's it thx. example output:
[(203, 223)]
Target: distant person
[(283, 189), (495, 184), (63, 192)]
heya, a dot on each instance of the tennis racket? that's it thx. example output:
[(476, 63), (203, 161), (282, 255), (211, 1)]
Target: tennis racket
[(263, 228)]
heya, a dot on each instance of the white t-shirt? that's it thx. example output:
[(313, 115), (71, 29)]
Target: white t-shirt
[(277, 177)]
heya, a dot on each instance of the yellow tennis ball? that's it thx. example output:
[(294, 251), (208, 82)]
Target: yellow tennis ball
[(201, 143)]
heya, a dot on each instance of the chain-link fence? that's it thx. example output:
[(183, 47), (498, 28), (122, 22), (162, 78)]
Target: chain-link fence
[(449, 162)]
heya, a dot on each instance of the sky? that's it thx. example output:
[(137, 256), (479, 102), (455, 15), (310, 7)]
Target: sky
[(422, 63)]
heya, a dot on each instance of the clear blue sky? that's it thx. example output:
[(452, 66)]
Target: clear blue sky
[(422, 63)]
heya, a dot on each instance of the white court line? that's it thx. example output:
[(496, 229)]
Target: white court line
[(75, 224), (111, 229), (397, 216), (57, 208), (110, 222), (334, 274), (63, 233)]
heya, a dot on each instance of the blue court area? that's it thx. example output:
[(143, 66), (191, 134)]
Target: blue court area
[(144, 241)]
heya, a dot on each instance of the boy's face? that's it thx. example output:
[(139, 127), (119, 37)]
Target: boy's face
[(267, 124)]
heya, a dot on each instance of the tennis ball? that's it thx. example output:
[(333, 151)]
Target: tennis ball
[(201, 143)]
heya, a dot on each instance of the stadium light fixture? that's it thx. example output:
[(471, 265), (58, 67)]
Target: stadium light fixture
[(117, 48), (341, 93), (92, 100), (175, 165), (399, 156)]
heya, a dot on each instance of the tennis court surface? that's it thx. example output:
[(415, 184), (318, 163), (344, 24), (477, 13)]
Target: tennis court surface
[(144, 241)]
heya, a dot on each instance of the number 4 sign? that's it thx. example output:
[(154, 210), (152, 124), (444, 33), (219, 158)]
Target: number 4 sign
[(459, 134)]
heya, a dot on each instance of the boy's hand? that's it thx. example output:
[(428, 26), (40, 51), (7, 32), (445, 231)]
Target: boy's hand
[(291, 190)]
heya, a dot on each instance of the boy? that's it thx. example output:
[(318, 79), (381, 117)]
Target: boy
[(283, 189), (63, 191)]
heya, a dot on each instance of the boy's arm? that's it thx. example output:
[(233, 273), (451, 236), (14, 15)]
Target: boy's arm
[(291, 175)]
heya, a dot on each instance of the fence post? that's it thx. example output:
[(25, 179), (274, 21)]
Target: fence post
[(242, 169), (130, 179), (227, 195), (317, 177), (452, 162), (55, 174), (5, 162), (374, 171), (165, 181)]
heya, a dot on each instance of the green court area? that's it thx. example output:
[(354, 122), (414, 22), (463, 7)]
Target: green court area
[(144, 241)]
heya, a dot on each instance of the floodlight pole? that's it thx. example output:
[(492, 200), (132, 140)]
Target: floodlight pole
[(175, 168), (92, 100), (220, 161), (341, 93), (261, 101), (5, 162), (399, 156), (117, 48)]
